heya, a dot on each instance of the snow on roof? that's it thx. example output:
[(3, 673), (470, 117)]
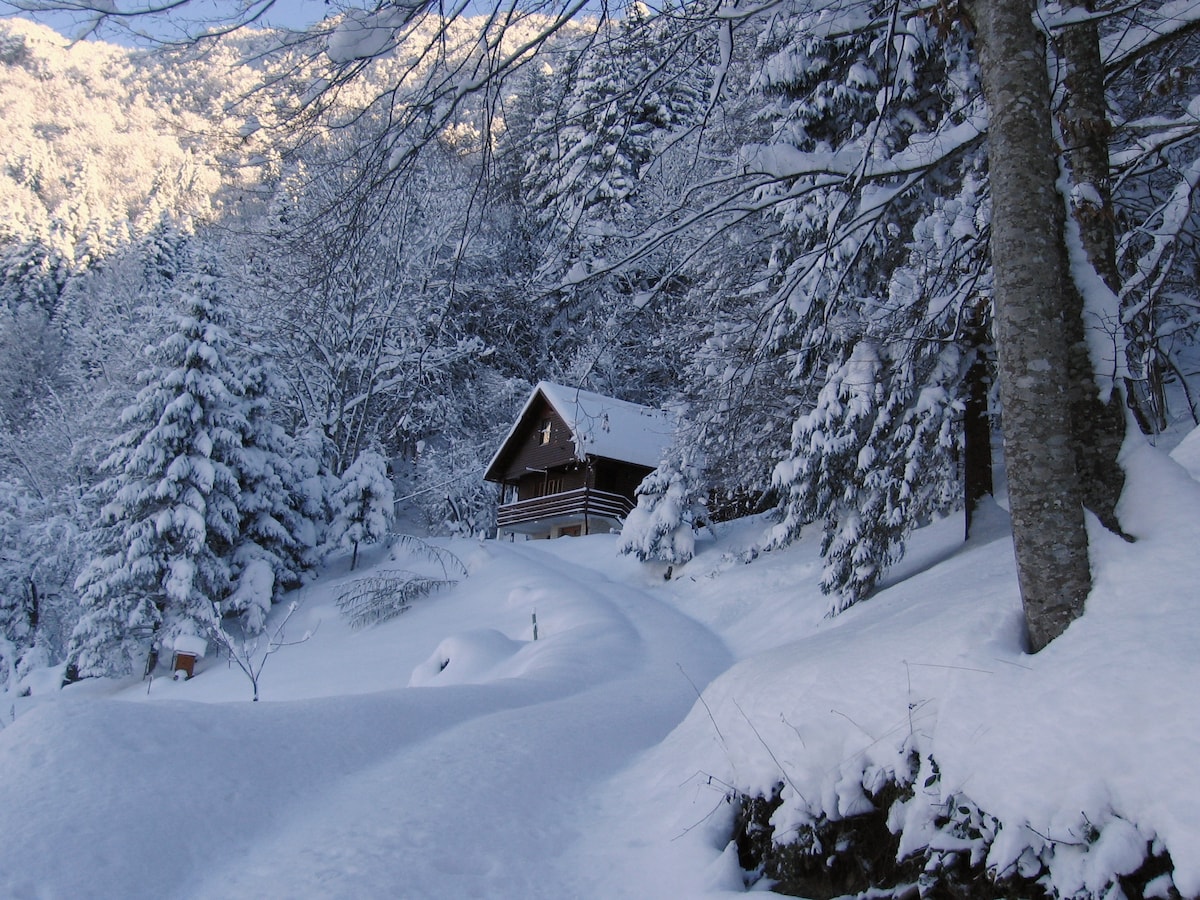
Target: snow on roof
[(612, 428), (603, 426), (191, 643)]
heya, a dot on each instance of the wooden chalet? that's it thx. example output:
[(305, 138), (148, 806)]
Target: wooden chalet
[(572, 461)]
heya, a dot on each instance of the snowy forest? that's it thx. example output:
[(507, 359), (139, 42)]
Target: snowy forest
[(374, 236), (270, 294)]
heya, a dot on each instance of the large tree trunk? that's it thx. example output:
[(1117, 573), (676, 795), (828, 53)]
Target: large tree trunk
[(1098, 424), (1030, 278)]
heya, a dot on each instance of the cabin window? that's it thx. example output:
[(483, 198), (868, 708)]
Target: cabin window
[(544, 432)]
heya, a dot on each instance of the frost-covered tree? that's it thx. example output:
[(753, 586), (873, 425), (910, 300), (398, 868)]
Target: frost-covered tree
[(275, 545), (670, 507), (635, 84), (372, 335), (866, 503), (856, 217), (362, 505), (18, 589), (171, 514)]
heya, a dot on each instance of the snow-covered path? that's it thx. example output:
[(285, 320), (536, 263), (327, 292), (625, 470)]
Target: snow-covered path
[(471, 787)]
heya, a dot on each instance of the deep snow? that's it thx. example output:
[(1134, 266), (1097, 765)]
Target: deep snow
[(445, 753)]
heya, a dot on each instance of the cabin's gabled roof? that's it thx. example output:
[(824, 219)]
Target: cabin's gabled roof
[(600, 426)]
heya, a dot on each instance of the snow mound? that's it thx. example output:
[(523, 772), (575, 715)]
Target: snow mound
[(1084, 753), (473, 657)]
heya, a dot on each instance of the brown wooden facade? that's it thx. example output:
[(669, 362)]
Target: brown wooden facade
[(548, 490)]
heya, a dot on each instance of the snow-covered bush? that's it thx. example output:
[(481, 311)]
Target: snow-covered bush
[(385, 595), (894, 827)]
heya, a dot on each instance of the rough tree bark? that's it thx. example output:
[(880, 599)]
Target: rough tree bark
[(1098, 423), (1029, 270)]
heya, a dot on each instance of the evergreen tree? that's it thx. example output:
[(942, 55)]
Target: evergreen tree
[(172, 514), (274, 546), (41, 548), (859, 225), (18, 597), (633, 86), (869, 463), (670, 506), (362, 505)]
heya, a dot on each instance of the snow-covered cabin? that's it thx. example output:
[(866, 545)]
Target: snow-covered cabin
[(572, 461)]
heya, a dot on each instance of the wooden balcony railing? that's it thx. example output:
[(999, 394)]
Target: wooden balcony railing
[(581, 502)]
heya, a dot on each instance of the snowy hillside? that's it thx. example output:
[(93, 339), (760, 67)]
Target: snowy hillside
[(447, 754)]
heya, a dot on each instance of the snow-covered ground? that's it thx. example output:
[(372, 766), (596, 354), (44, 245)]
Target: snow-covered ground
[(447, 754)]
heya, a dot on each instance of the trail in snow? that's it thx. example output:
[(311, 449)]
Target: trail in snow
[(468, 790), (484, 808)]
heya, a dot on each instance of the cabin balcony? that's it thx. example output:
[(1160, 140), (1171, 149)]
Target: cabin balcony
[(579, 511)]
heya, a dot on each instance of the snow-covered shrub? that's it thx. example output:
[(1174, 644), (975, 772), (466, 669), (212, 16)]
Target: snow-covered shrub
[(893, 827), (385, 595)]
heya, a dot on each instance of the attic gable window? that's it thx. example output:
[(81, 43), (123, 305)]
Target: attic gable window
[(544, 432)]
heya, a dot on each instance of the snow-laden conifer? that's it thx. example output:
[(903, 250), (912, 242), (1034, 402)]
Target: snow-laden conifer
[(362, 505), (670, 506), (275, 542), (873, 459), (171, 514), (636, 84)]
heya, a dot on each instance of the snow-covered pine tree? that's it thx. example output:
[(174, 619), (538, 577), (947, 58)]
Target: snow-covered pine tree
[(869, 177), (41, 548), (171, 515), (870, 462), (633, 84), (362, 505), (882, 449), (275, 542), (18, 610), (670, 506), (312, 453)]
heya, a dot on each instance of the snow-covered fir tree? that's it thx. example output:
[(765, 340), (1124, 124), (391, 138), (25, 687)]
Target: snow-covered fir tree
[(631, 88), (869, 462), (275, 545), (862, 193), (362, 505), (670, 506), (18, 609), (173, 500)]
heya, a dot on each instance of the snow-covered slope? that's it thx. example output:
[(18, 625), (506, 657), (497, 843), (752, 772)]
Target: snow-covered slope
[(445, 753)]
